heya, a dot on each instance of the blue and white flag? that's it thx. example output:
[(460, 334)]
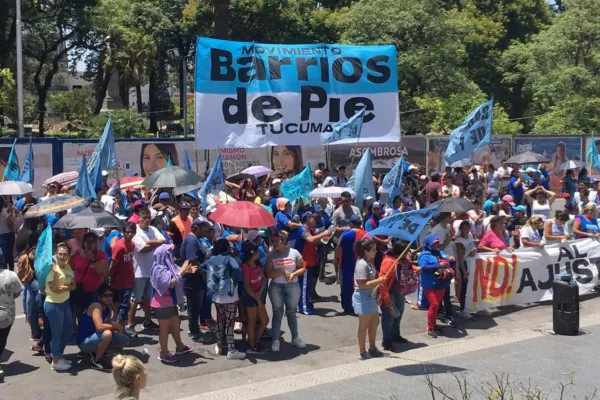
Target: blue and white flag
[(405, 226), (592, 154), (258, 95), (12, 172), (187, 163), (472, 134), (298, 186), (169, 162), (214, 183), (347, 129), (361, 180), (104, 156), (85, 187), (27, 173), (43, 255), (392, 182)]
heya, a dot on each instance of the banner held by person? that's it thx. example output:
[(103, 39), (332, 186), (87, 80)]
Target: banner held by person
[(472, 134), (392, 182), (28, 173), (406, 226), (526, 275), (347, 129), (213, 184), (361, 180), (257, 95), (12, 171), (298, 186)]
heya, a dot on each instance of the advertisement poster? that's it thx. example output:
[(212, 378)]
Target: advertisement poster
[(42, 161), (496, 151), (557, 149), (238, 159), (143, 158)]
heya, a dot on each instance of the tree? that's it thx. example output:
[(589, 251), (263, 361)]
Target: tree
[(560, 67), (221, 18), (73, 105)]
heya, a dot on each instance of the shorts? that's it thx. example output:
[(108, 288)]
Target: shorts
[(90, 344), (123, 297), (165, 312), (250, 301), (142, 290), (363, 303)]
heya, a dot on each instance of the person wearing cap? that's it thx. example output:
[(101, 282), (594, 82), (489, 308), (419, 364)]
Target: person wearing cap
[(492, 198), (284, 265), (306, 244), (51, 191), (180, 226), (341, 216), (538, 180), (506, 205), (516, 187), (194, 285), (345, 261), (136, 207), (541, 204)]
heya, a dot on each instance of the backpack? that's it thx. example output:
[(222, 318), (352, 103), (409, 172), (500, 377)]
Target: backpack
[(25, 270)]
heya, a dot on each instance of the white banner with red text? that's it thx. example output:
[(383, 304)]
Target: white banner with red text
[(526, 275)]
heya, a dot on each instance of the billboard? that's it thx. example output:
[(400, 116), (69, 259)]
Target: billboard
[(499, 148)]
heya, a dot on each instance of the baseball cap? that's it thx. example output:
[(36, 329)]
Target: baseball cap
[(184, 205), (492, 193), (407, 202), (317, 208), (276, 181), (199, 222), (354, 219), (412, 167), (138, 204), (249, 248), (435, 173), (306, 215), (509, 199), (164, 196), (369, 198), (376, 205), (252, 235), (519, 208), (104, 172)]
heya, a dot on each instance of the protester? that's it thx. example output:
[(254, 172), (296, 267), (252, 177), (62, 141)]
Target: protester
[(586, 224), (516, 187), (90, 266), (530, 233), (284, 265), (542, 202), (130, 376), (223, 277), (345, 261), (569, 183), (166, 280), (555, 229), (495, 239), (122, 278), (449, 190), (285, 221), (465, 254), (254, 296), (10, 289), (60, 282), (341, 216)]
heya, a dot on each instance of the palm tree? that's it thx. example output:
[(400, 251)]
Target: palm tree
[(221, 18)]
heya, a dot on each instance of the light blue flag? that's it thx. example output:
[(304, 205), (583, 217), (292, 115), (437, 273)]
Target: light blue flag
[(298, 186), (169, 162), (214, 183), (12, 171), (84, 187), (361, 180), (592, 154), (472, 134), (346, 129), (27, 173), (104, 156), (43, 255), (187, 163), (392, 182), (405, 226)]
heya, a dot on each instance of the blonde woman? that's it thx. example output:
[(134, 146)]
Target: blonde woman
[(530, 233), (130, 376)]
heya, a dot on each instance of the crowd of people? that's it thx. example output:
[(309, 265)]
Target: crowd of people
[(169, 256)]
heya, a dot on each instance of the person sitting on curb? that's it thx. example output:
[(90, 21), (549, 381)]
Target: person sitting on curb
[(96, 332)]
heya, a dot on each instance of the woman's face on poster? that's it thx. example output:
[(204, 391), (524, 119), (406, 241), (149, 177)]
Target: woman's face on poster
[(153, 159), (283, 159)]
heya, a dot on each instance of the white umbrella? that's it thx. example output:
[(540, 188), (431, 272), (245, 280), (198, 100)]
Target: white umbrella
[(12, 188), (330, 192), (257, 171), (571, 164)]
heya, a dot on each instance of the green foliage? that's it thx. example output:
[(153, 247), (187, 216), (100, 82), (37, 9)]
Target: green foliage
[(126, 123), (73, 105), (574, 115)]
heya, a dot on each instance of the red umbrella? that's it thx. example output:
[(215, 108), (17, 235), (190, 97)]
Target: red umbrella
[(63, 179), (243, 214), (130, 183)]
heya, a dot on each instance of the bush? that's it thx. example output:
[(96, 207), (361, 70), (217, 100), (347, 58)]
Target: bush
[(73, 105), (126, 123)]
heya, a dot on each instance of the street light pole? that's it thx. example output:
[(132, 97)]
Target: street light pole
[(184, 96), (20, 126)]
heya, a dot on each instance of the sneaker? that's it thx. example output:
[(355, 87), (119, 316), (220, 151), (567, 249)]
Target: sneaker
[(130, 331), (98, 364), (68, 362), (36, 348), (275, 345), (399, 339), (236, 355), (389, 346), (485, 313), (218, 350), (298, 343), (365, 356), (451, 322), (438, 329), (204, 326), (464, 315), (168, 358), (237, 328), (376, 353), (1, 375), (48, 358), (150, 325), (258, 349), (432, 333), (184, 350), (60, 366)]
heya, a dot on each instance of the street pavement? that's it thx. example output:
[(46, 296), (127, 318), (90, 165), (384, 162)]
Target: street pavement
[(331, 346)]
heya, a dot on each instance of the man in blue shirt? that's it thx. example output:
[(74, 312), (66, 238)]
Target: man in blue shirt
[(27, 198), (491, 200), (515, 186)]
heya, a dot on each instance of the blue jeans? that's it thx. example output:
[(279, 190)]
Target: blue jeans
[(90, 344), (7, 244), (33, 305), (287, 294), (390, 326), (61, 324), (47, 331)]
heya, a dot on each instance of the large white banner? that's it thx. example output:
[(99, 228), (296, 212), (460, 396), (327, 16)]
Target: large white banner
[(526, 275), (257, 95)]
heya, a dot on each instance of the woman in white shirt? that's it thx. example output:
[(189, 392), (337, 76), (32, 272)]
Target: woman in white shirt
[(530, 235), (465, 254), (449, 189), (541, 204)]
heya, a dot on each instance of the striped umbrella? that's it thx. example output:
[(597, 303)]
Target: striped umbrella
[(53, 205), (64, 178)]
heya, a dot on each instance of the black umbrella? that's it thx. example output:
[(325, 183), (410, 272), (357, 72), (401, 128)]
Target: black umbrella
[(89, 218), (240, 177), (529, 157), (172, 177), (453, 205)]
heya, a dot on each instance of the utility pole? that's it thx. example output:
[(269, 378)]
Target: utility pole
[(20, 126)]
